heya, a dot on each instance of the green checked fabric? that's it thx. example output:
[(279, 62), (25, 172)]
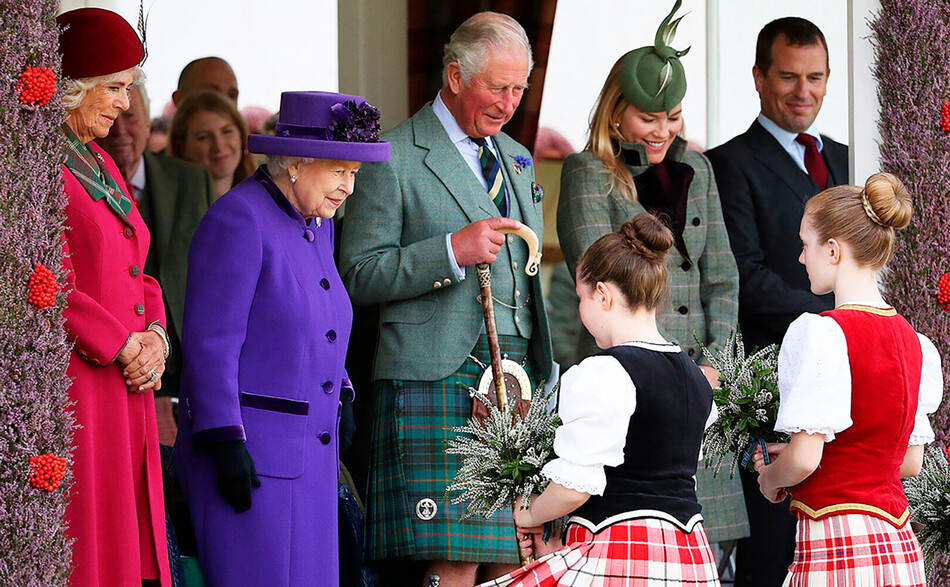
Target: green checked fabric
[(493, 175), (415, 421), (85, 166)]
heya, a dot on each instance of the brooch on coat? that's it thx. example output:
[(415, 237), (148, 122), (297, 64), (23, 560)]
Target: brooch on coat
[(521, 163), (537, 192)]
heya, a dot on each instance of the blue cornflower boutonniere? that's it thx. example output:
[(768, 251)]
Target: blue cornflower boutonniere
[(537, 192), (521, 162)]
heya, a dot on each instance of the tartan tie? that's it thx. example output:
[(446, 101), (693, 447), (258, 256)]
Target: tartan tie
[(492, 171), (814, 162)]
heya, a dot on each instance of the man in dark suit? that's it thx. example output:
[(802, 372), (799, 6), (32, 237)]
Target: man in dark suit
[(172, 195), (765, 176)]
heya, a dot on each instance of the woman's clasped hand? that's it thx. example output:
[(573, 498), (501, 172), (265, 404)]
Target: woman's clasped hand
[(143, 361)]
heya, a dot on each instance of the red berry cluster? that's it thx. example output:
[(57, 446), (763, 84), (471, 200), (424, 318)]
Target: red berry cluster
[(43, 287), (945, 116), (47, 471), (36, 86), (943, 291)]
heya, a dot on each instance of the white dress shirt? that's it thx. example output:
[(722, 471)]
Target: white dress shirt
[(785, 138)]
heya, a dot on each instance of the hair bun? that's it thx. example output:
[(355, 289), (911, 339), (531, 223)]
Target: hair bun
[(889, 200), (648, 235)]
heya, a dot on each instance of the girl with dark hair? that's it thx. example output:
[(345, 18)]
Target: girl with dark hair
[(857, 384), (633, 419)]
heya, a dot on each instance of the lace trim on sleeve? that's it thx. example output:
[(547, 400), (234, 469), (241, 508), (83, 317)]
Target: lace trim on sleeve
[(921, 439), (827, 432), (588, 479)]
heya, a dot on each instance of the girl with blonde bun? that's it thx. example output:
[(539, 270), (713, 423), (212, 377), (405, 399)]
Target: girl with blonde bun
[(857, 384), (633, 418)]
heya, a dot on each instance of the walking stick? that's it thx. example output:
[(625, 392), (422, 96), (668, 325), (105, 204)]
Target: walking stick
[(505, 383)]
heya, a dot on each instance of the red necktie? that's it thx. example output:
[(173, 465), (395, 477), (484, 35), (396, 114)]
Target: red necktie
[(814, 162)]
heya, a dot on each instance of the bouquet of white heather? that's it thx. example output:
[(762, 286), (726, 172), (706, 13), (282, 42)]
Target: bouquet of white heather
[(928, 496), (747, 400), (502, 456)]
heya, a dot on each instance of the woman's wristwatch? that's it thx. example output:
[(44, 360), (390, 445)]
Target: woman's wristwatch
[(158, 329)]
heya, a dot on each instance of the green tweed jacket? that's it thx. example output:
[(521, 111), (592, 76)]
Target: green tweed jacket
[(394, 253), (177, 194), (703, 288)]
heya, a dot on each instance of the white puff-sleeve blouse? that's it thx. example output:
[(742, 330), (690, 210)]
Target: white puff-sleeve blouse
[(814, 378), (597, 399)]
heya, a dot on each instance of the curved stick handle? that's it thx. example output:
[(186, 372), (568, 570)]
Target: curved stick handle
[(534, 247)]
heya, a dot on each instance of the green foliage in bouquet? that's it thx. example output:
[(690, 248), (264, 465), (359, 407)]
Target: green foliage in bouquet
[(747, 400), (502, 456), (928, 496)]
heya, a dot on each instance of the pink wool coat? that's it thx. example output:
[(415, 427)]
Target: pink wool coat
[(116, 512)]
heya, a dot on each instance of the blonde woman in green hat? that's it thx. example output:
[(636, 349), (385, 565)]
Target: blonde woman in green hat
[(635, 161)]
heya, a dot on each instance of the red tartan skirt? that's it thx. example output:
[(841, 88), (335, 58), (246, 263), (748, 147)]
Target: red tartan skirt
[(634, 553), (855, 550)]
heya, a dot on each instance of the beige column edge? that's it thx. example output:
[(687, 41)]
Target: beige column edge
[(863, 108), (373, 55)]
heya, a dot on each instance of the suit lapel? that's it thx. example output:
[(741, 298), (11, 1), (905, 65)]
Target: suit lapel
[(840, 174), (159, 205), (771, 155), (519, 188), (444, 160)]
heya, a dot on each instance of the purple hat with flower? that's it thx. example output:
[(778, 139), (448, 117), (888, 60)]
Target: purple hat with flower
[(324, 125)]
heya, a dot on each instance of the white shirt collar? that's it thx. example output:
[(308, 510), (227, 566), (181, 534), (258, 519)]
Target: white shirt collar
[(455, 132), (784, 137), (138, 180)]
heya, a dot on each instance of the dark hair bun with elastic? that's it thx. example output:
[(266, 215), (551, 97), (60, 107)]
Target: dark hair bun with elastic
[(648, 235), (889, 200)]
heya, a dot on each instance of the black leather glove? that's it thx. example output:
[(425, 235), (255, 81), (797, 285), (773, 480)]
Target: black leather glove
[(236, 473)]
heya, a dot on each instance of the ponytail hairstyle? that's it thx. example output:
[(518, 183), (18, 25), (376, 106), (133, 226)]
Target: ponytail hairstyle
[(633, 259), (867, 219)]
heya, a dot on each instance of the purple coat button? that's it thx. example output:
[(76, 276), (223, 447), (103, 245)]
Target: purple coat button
[(308, 234), (325, 437), (331, 335), (325, 283), (328, 387)]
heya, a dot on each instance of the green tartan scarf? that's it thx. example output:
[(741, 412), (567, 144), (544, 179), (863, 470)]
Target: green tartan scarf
[(87, 167)]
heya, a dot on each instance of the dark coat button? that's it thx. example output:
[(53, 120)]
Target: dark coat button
[(325, 437), (683, 310), (139, 309), (134, 271), (696, 221), (308, 234), (128, 231), (691, 352), (328, 387), (331, 335), (686, 266), (325, 283)]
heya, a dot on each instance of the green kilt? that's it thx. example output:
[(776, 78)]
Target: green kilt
[(410, 470)]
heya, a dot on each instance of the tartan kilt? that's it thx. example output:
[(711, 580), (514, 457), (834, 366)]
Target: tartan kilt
[(409, 465), (645, 552), (855, 550)]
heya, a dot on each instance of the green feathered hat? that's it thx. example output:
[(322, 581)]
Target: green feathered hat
[(652, 77)]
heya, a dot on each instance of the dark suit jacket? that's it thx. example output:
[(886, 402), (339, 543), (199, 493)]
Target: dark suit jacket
[(177, 194), (763, 193)]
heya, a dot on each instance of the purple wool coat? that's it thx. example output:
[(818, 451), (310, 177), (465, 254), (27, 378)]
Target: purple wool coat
[(265, 332)]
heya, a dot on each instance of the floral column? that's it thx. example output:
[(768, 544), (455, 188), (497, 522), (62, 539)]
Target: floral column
[(35, 425)]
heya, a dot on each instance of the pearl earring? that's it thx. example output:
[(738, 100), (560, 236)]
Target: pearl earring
[(293, 179)]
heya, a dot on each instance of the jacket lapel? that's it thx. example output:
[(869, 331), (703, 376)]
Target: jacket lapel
[(444, 160), (519, 184), (158, 205), (772, 156)]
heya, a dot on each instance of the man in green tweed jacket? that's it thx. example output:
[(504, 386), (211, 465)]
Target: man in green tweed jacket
[(413, 232)]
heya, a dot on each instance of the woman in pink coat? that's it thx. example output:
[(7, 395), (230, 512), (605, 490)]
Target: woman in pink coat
[(114, 317)]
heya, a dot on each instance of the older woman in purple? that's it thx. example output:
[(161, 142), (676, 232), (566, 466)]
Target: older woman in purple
[(265, 333)]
